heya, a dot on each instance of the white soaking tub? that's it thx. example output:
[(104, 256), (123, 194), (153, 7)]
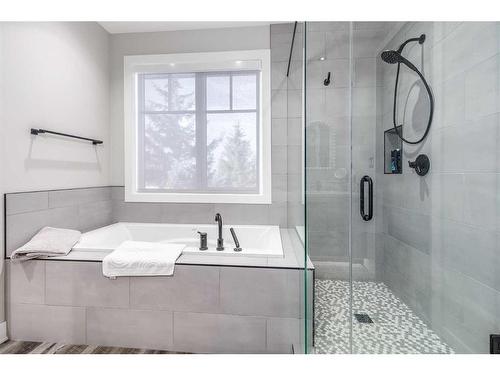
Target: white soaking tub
[(255, 240)]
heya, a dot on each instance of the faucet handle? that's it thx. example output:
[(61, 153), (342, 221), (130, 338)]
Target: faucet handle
[(203, 241)]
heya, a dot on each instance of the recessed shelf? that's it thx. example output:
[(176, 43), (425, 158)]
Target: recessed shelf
[(393, 151)]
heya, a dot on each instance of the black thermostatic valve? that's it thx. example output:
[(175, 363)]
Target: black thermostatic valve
[(422, 164), (495, 344)]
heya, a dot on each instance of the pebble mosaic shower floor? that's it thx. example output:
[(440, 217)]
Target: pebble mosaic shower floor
[(395, 328)]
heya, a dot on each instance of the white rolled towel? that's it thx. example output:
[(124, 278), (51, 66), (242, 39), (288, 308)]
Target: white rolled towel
[(48, 242), (139, 258)]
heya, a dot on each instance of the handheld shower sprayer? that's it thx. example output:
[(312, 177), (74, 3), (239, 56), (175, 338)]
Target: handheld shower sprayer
[(395, 57)]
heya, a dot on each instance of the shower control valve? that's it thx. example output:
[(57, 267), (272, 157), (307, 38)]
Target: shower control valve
[(421, 164)]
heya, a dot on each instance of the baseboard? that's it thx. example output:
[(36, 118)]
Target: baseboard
[(3, 332)]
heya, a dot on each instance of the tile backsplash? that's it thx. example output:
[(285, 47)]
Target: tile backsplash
[(83, 209)]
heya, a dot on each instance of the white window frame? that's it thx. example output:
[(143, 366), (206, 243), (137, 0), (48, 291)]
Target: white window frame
[(197, 62)]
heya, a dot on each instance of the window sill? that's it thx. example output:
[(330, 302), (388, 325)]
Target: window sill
[(131, 196)]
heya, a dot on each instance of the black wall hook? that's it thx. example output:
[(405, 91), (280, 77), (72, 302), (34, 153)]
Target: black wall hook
[(326, 82)]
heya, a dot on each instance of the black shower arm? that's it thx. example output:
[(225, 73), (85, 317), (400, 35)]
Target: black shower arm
[(420, 39)]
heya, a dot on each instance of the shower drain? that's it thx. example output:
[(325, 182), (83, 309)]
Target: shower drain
[(363, 318)]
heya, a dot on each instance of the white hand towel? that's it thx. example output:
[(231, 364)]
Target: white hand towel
[(137, 258), (48, 242)]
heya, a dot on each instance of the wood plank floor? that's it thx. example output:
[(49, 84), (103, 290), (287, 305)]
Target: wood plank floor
[(32, 347)]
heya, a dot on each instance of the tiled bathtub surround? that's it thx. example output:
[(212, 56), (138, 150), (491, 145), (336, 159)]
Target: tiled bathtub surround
[(199, 213), (211, 304), (438, 246), (200, 309), (82, 209)]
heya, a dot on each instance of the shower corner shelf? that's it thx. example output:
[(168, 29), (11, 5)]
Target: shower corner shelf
[(393, 151)]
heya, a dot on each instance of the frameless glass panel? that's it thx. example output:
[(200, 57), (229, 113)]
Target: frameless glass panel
[(169, 154), (244, 91), (368, 308), (327, 182), (218, 92), (421, 249), (232, 150)]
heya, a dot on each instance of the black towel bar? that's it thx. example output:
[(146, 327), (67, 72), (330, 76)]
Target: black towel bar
[(40, 131)]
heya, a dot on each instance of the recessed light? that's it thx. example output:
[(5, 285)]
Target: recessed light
[(322, 58)]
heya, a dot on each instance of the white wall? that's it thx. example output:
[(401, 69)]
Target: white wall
[(2, 162), (167, 42), (55, 76)]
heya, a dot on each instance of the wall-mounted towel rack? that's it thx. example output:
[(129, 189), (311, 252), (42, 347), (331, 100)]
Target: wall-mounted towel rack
[(41, 131)]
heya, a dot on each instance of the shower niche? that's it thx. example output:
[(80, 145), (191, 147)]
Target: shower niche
[(393, 151)]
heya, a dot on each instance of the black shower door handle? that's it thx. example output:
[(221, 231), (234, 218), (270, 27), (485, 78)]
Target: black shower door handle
[(366, 216)]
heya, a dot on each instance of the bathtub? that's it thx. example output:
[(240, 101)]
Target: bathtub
[(255, 240)]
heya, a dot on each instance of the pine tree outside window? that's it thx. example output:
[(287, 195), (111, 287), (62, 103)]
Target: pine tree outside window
[(199, 135)]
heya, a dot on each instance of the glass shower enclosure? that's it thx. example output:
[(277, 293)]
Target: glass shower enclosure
[(405, 260)]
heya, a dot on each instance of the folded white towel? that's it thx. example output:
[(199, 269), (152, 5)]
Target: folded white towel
[(137, 258), (48, 242)]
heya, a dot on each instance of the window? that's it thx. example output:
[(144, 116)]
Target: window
[(197, 127)]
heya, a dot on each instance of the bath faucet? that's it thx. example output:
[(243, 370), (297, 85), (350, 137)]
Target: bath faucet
[(220, 240)]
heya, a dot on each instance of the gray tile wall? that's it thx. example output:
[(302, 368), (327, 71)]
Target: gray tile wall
[(287, 118), (199, 309), (82, 209), (440, 234), (199, 213)]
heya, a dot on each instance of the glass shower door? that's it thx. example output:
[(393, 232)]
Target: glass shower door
[(368, 299), (405, 262), (327, 146), (393, 268)]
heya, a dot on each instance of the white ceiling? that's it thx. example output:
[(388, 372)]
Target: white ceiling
[(119, 27)]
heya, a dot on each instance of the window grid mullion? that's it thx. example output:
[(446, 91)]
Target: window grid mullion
[(141, 138), (218, 111), (168, 112), (169, 85), (201, 130), (230, 92)]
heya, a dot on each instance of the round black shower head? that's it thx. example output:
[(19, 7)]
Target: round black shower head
[(394, 57), (391, 57)]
